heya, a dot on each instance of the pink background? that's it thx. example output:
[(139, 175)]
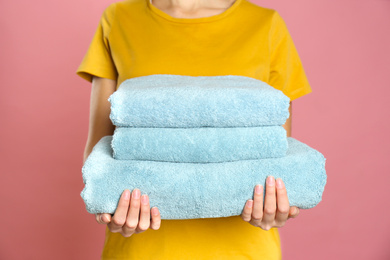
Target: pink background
[(344, 46)]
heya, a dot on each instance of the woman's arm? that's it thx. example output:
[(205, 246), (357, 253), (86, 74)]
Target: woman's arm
[(99, 121), (133, 212), (275, 210)]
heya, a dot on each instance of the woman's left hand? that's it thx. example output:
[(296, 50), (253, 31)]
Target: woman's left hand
[(276, 209)]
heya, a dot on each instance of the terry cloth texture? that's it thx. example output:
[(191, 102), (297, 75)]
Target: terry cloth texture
[(199, 145), (163, 100), (196, 190)]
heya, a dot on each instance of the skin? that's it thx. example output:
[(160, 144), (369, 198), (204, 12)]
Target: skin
[(192, 9), (133, 214)]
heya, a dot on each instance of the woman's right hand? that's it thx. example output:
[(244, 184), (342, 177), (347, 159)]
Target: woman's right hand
[(132, 215)]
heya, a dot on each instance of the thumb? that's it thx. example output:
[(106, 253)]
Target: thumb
[(294, 212), (105, 218)]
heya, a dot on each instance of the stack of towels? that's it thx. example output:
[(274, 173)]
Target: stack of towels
[(198, 146)]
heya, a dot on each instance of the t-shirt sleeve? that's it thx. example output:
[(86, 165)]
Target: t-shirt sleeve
[(98, 60), (286, 70)]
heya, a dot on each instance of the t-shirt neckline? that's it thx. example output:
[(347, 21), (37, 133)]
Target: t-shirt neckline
[(194, 20)]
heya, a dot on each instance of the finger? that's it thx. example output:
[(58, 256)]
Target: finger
[(269, 203), (257, 213), (106, 218), (156, 219), (294, 212), (283, 205), (119, 218), (98, 218), (246, 214), (144, 219), (132, 217), (103, 218)]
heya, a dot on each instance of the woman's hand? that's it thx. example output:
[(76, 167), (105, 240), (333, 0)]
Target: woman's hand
[(276, 209), (132, 215)]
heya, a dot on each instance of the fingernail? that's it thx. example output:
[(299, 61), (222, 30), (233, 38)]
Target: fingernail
[(104, 219), (249, 204), (279, 183), (136, 194), (144, 199), (270, 181), (293, 212), (258, 189), (126, 194), (154, 211)]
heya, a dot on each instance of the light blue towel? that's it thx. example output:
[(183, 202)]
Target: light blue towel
[(199, 145), (200, 190), (163, 100)]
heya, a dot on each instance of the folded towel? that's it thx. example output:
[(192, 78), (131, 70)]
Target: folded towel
[(163, 100), (199, 145), (200, 190)]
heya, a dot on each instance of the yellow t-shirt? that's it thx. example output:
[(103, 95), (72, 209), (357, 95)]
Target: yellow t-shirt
[(134, 38)]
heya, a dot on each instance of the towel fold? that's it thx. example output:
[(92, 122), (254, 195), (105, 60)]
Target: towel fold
[(163, 100), (199, 145), (200, 190)]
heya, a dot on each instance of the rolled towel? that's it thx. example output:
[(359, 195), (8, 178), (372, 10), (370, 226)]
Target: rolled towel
[(200, 190), (163, 100), (199, 145)]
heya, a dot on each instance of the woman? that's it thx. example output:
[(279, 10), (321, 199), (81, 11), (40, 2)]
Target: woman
[(196, 38)]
